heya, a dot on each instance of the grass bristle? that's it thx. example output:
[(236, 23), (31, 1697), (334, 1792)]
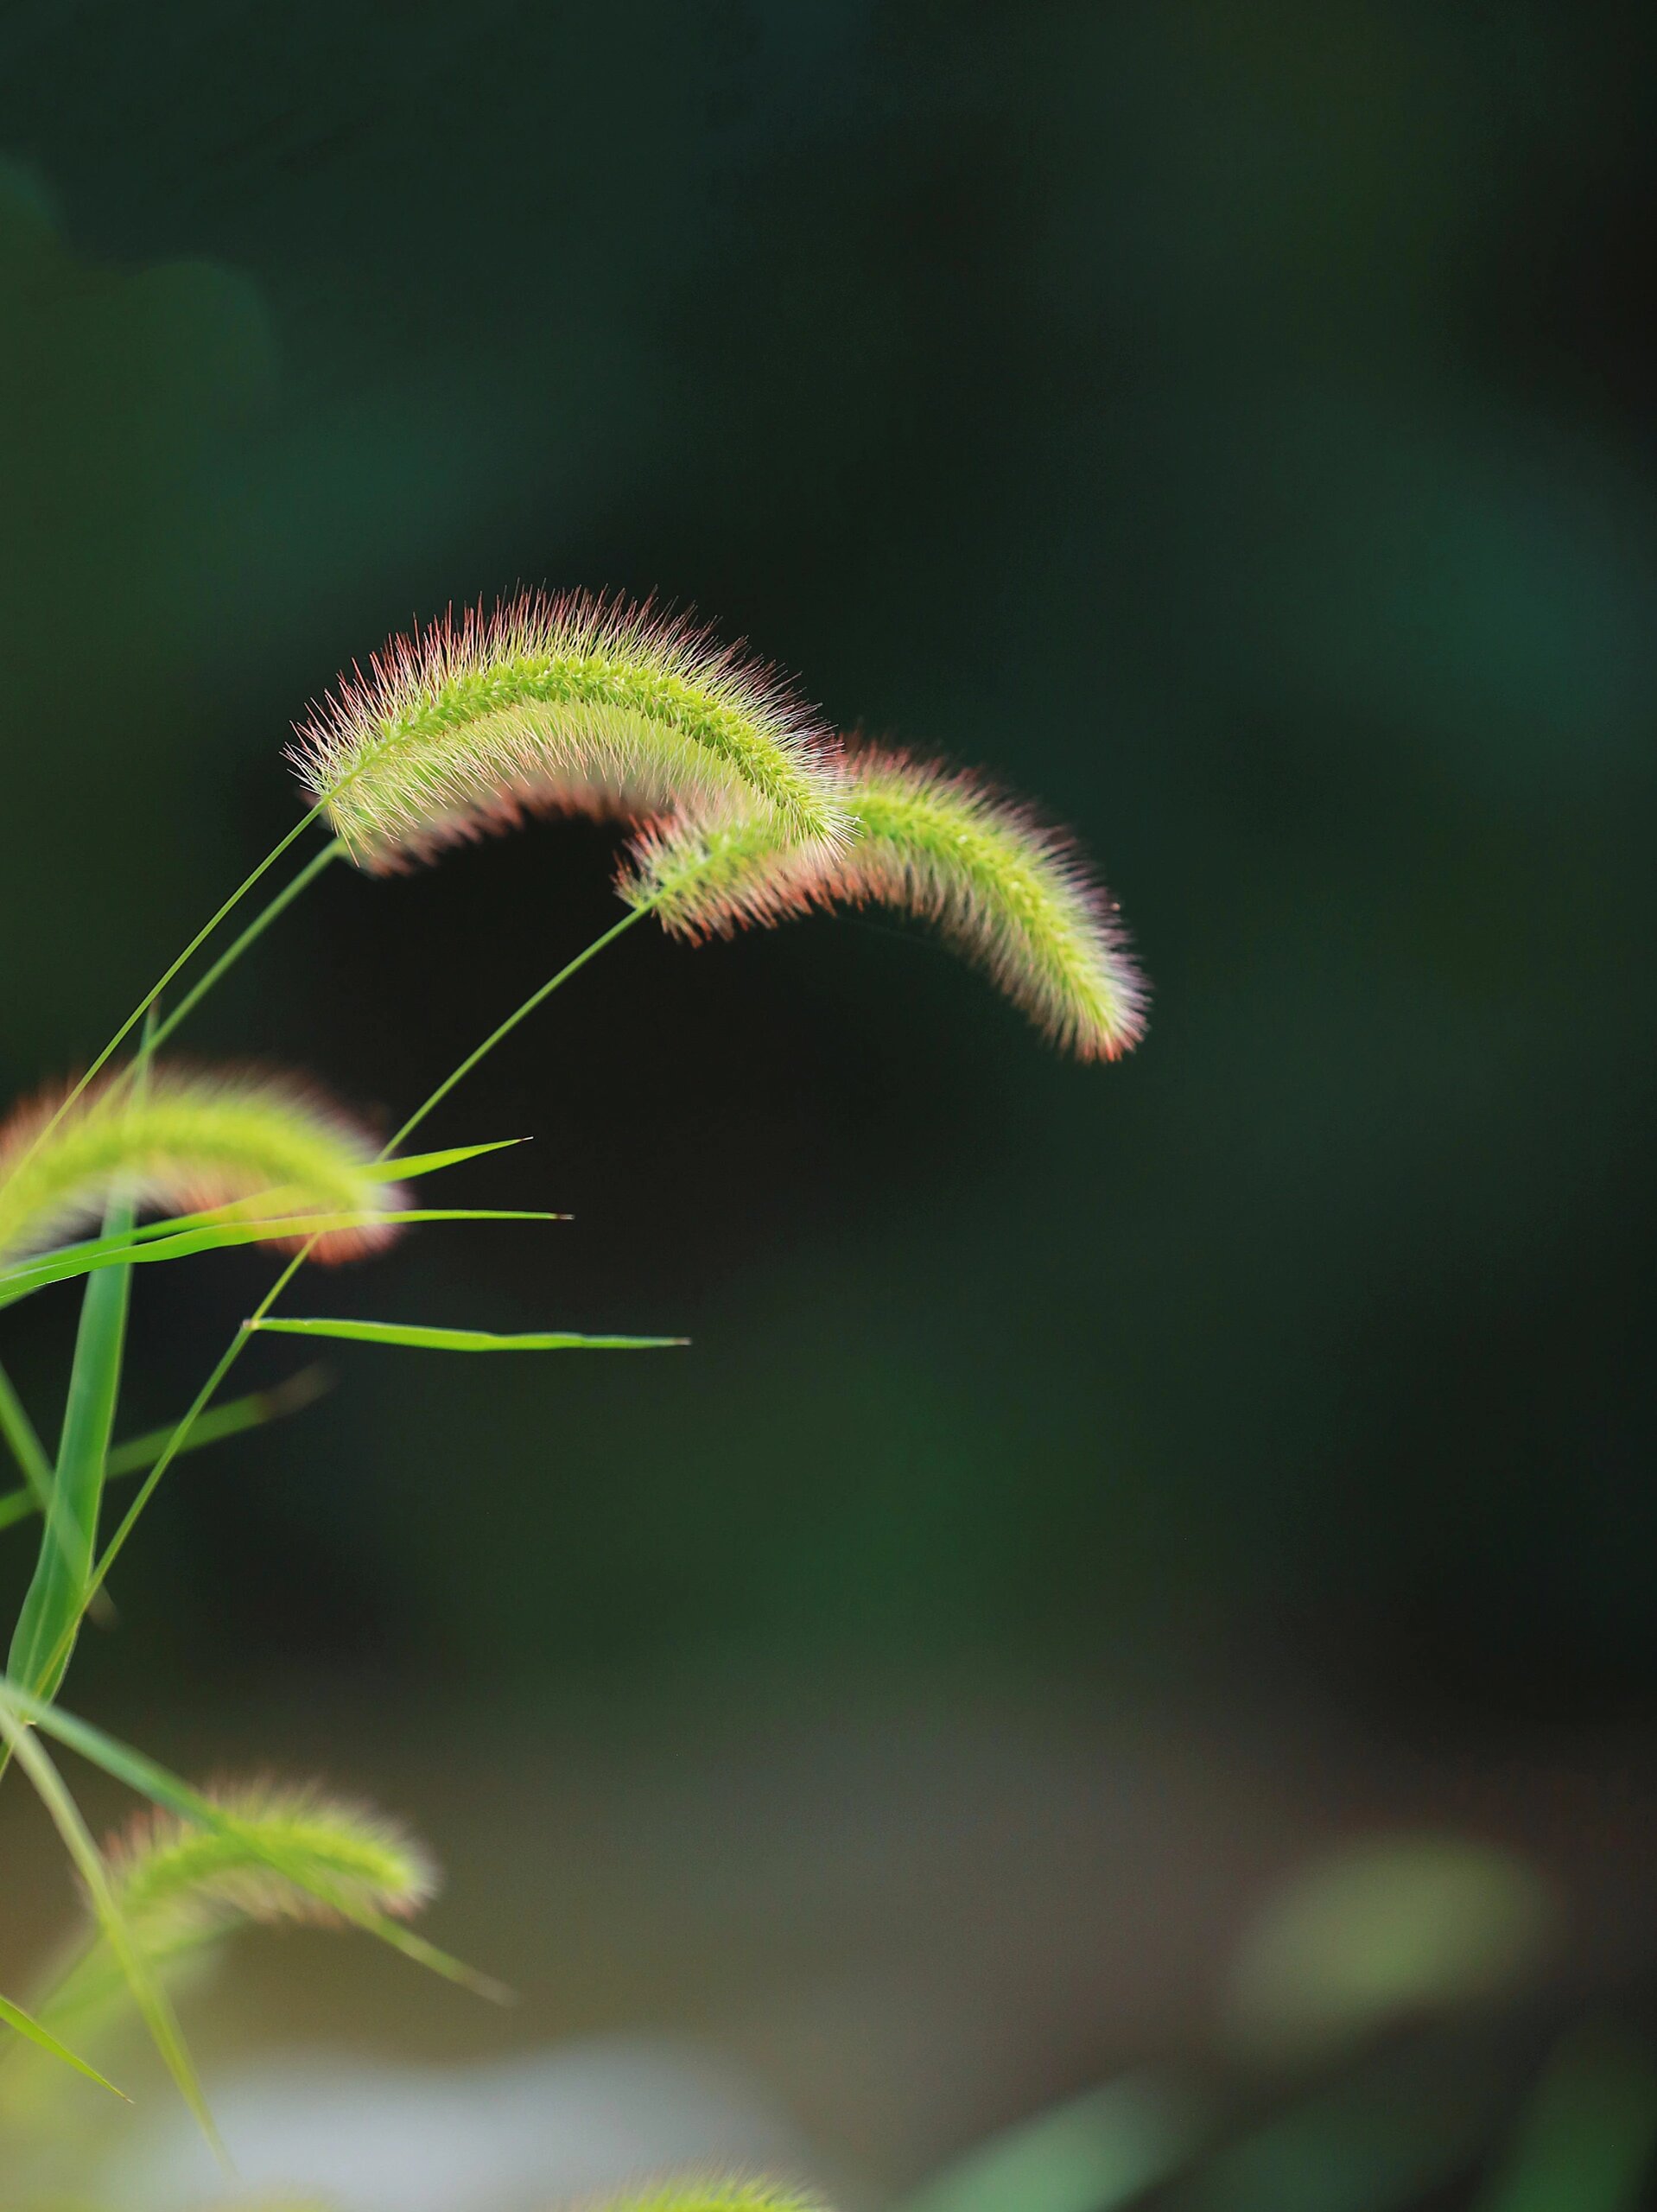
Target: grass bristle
[(187, 1139), (575, 704), (286, 1852), (1012, 893)]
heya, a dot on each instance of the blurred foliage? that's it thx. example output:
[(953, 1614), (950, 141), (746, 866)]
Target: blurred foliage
[(1392, 1930)]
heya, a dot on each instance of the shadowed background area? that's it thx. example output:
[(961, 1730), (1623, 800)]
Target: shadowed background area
[(1231, 424)]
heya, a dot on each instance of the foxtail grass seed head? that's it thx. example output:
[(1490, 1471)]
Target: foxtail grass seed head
[(286, 1852), (1011, 893), (570, 705), (187, 1139)]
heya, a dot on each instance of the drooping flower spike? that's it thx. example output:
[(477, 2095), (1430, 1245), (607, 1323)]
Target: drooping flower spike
[(575, 705), (284, 1852), (274, 1852), (189, 1139), (1013, 894)]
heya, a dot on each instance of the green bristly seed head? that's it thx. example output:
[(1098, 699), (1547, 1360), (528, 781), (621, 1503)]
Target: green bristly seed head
[(187, 1139), (1006, 891), (285, 1852), (572, 705)]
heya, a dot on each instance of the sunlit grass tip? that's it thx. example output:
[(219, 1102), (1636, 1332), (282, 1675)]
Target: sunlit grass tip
[(282, 1851), (188, 1139), (573, 704), (1013, 893)]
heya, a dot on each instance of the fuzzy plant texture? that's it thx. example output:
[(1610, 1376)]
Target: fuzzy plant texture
[(283, 1852), (557, 705), (745, 810), (740, 807), (187, 1139), (1013, 894), (275, 1853)]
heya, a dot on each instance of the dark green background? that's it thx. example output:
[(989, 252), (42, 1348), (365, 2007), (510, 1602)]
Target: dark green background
[(1230, 423)]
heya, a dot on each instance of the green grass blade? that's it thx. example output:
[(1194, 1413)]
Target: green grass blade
[(1091, 2154), (118, 1760), (232, 1419), (26, 1449), (26, 2024), (150, 1998), (144, 1005), (17, 1505), (416, 1163), (139, 1250), (44, 1638), (399, 1938), (254, 930), (62, 1262), (277, 1202), (422, 1339), (144, 1776)]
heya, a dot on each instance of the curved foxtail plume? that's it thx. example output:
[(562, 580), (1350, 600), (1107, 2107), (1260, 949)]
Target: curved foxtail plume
[(576, 705), (1013, 894), (188, 1140), (283, 1852), (276, 1852)]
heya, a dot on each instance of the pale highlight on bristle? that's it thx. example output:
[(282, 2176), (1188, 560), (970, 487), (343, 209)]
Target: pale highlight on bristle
[(187, 1139), (572, 705), (1010, 892), (284, 1852)]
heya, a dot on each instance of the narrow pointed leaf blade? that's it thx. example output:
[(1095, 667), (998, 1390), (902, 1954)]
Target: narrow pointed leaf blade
[(427, 1163), (231, 1418), (44, 1636), (26, 2024), (417, 1338), (392, 1932), (150, 1780), (147, 1993), (21, 1282)]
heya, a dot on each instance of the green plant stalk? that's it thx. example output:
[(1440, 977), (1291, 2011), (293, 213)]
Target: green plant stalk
[(254, 930), (232, 1351), (27, 1450), (28, 2026), (60, 1589), (189, 952), (535, 999), (141, 1451), (154, 1782), (158, 2015)]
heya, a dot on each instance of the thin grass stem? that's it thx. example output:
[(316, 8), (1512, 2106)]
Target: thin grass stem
[(158, 2015), (234, 1351), (26, 1447), (254, 930), (506, 1027), (156, 989)]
